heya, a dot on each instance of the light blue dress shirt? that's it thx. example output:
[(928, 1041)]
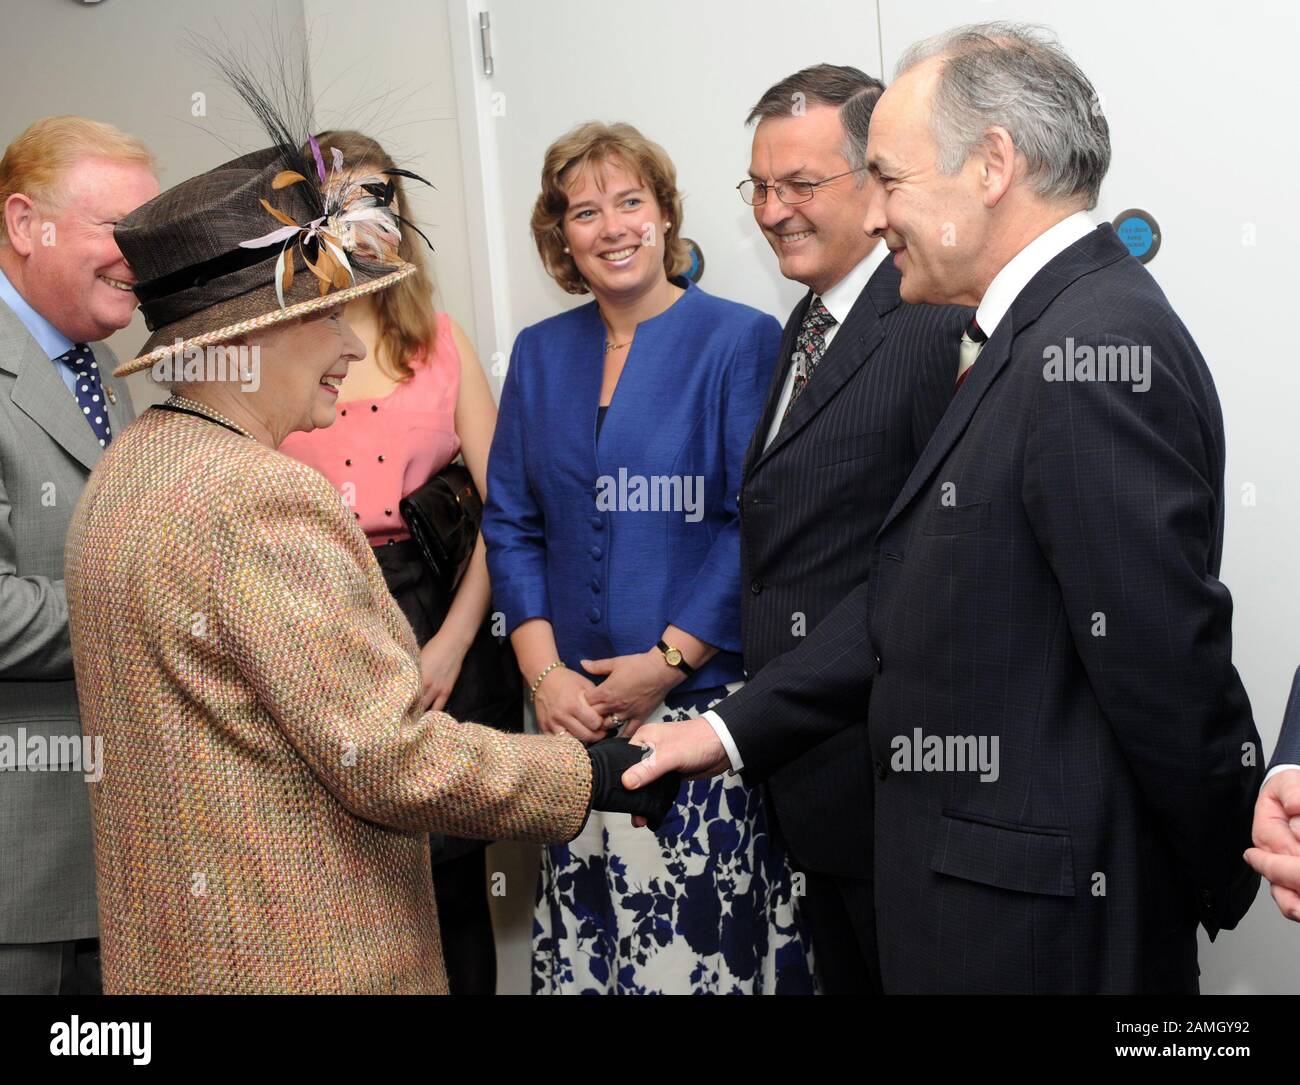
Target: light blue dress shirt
[(52, 341)]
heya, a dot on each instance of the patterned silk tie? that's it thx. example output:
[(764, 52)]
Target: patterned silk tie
[(972, 342), (89, 390), (809, 348)]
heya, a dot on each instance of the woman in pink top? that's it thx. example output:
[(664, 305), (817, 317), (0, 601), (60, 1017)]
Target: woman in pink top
[(417, 400)]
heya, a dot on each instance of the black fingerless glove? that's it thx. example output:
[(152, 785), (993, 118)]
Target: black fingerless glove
[(610, 758)]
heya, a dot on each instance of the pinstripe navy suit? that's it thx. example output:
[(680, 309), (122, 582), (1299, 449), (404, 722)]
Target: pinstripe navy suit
[(1048, 576), (811, 502)]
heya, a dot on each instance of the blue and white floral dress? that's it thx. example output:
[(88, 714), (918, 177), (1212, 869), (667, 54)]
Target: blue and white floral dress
[(703, 907)]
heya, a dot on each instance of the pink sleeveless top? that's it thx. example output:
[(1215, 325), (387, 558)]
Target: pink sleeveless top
[(380, 450)]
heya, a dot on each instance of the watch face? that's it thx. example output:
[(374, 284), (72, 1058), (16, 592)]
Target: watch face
[(673, 656)]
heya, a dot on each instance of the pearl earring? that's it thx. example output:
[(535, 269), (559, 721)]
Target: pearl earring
[(566, 248)]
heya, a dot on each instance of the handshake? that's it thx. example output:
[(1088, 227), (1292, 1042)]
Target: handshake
[(610, 758)]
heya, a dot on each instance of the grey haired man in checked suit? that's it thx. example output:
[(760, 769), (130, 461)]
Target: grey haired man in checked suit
[(64, 286)]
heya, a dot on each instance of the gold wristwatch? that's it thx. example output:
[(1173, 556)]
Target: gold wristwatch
[(673, 657)]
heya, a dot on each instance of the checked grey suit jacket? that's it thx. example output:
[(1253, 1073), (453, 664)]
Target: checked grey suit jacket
[(47, 451)]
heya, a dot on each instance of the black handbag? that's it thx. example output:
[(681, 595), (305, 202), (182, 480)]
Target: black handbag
[(443, 517)]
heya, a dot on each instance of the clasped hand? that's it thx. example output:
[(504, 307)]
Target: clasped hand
[(570, 703)]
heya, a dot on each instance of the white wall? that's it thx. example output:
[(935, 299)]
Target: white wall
[(387, 71), (684, 73), (124, 63)]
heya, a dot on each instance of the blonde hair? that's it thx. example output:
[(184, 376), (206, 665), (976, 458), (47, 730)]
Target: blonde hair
[(596, 144), (405, 313), (37, 162)]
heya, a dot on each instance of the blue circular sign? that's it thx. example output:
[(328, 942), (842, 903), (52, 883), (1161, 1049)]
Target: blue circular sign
[(697, 260), (1139, 232)]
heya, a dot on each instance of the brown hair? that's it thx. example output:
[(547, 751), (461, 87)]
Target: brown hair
[(851, 90), (594, 143), (36, 163), (405, 311)]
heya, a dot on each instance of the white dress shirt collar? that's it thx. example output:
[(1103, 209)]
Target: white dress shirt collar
[(1028, 262), (840, 298), (51, 340), (839, 301)]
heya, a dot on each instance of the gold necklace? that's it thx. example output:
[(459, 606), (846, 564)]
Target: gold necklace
[(616, 346)]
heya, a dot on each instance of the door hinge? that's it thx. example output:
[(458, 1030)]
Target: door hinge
[(485, 37)]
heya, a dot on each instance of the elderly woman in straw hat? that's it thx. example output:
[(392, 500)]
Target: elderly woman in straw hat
[(269, 781)]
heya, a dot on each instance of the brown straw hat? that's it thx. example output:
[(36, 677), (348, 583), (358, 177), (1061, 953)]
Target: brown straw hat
[(255, 242)]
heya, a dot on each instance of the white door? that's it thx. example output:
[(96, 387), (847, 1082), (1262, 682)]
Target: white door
[(685, 72)]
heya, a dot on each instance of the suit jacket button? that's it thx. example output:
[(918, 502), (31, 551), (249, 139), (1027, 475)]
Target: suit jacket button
[(881, 770), (879, 665), (756, 586)]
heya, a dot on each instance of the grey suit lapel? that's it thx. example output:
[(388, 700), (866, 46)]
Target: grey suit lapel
[(39, 392)]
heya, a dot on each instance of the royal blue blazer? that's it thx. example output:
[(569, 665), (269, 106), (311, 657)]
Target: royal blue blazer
[(572, 536)]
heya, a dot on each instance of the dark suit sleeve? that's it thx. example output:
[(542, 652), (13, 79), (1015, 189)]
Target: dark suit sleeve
[(1122, 491), (807, 695), (1288, 742)]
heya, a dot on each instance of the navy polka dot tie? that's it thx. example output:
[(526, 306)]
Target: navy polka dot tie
[(89, 391)]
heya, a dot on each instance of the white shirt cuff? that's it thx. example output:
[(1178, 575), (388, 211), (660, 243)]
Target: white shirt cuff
[(724, 736), (1268, 776)]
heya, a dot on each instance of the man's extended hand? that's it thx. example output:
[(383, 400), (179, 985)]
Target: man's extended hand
[(1276, 833), (690, 748)]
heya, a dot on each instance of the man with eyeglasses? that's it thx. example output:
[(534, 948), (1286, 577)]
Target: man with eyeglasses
[(861, 383)]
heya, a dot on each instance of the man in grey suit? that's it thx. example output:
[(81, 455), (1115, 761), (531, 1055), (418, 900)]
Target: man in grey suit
[(64, 285)]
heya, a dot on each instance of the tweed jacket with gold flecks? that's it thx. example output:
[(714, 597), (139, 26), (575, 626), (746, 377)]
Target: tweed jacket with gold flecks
[(268, 779)]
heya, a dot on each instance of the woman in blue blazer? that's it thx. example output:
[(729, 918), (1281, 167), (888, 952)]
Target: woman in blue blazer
[(613, 542)]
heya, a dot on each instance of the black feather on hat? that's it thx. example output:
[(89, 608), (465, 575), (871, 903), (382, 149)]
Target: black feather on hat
[(208, 267)]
